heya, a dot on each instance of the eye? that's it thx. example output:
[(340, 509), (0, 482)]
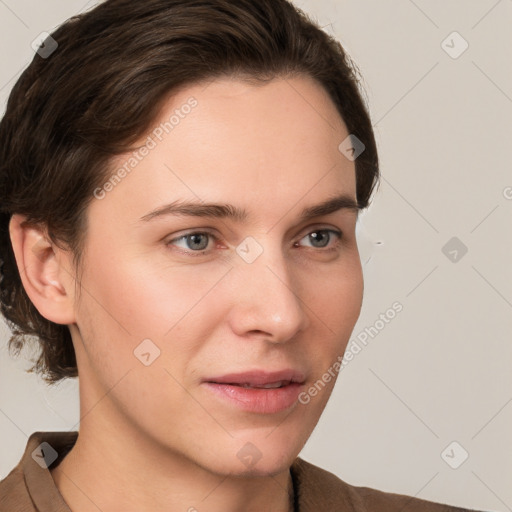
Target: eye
[(195, 242), (321, 238), (198, 242)]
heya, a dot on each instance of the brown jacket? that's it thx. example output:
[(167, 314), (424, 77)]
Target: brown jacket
[(29, 487)]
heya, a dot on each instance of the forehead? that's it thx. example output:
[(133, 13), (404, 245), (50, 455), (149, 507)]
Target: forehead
[(228, 139)]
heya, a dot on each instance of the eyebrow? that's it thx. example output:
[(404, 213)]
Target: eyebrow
[(229, 211)]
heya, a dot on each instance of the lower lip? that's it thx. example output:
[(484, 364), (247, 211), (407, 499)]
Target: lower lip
[(263, 401)]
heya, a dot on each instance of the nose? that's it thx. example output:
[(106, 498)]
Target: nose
[(266, 299)]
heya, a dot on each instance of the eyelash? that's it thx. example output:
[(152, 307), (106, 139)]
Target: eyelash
[(336, 233)]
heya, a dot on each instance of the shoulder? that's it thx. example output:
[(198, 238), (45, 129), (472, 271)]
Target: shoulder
[(14, 494), (317, 488), (29, 486)]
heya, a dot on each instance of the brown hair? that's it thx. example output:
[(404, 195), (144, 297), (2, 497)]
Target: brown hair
[(99, 91)]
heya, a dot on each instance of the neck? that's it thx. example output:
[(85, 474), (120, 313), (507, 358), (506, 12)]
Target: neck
[(112, 469)]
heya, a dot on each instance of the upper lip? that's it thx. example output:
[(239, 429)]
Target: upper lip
[(259, 377)]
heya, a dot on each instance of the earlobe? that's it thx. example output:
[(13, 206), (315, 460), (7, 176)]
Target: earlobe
[(48, 284)]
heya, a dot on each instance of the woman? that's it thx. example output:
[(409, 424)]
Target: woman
[(181, 182)]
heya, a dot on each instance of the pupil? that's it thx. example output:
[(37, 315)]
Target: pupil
[(319, 238), (195, 241)]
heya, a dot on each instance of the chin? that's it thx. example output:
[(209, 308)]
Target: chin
[(260, 468), (257, 455)]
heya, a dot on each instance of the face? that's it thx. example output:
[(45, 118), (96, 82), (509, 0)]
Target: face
[(205, 324)]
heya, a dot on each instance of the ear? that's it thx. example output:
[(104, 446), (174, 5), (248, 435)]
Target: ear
[(45, 271)]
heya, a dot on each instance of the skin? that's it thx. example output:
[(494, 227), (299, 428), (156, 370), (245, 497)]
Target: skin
[(153, 438)]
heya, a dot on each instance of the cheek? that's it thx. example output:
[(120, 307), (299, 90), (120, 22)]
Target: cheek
[(348, 297), (335, 300), (337, 309), (336, 295), (132, 301), (150, 299)]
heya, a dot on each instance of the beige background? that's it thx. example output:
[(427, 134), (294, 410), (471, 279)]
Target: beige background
[(440, 371)]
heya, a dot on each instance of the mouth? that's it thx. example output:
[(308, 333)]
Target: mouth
[(260, 379), (258, 391), (270, 385)]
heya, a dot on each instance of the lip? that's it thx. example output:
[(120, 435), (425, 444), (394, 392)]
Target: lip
[(259, 377), (228, 388)]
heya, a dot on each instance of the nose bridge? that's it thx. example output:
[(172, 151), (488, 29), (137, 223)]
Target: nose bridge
[(268, 299)]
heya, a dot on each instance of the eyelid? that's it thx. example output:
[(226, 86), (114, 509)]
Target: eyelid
[(193, 232), (337, 233), (311, 228), (200, 231)]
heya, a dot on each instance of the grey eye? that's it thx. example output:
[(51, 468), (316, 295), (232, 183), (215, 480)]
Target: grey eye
[(197, 241), (320, 238), (194, 242)]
